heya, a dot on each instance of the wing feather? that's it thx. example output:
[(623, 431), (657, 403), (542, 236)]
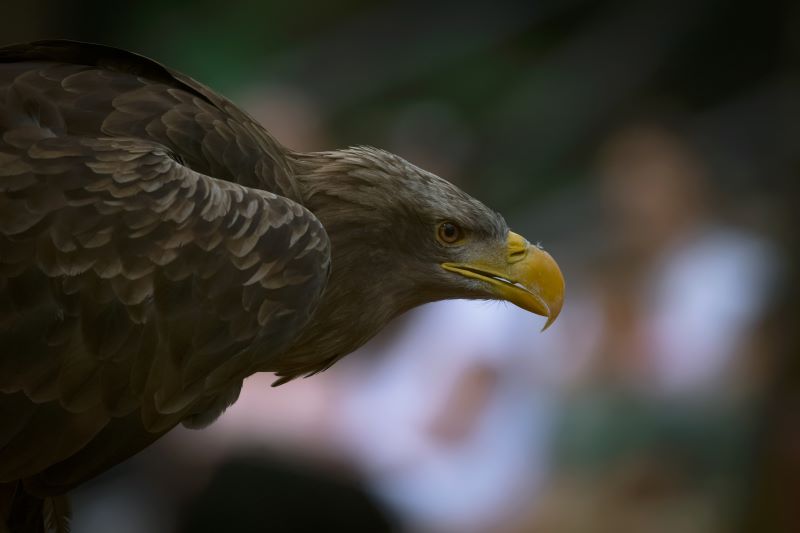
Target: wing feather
[(136, 290)]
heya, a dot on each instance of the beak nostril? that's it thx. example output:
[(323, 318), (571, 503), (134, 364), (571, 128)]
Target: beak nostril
[(517, 248), (518, 254)]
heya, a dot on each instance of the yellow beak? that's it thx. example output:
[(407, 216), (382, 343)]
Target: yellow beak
[(527, 276)]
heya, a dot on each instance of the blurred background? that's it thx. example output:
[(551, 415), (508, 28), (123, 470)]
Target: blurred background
[(652, 146)]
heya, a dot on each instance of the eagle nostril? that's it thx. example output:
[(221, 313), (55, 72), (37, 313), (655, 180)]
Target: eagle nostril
[(517, 254), (516, 247)]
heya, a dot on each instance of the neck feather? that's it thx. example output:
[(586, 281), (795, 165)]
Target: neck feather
[(366, 289)]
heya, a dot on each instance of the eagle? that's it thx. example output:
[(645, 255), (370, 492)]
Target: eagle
[(158, 246)]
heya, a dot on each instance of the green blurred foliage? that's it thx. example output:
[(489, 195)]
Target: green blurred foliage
[(536, 84)]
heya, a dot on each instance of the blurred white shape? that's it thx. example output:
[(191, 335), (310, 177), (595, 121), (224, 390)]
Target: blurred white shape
[(393, 406), (704, 302)]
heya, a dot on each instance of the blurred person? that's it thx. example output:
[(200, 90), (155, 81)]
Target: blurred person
[(448, 424), (657, 428), (690, 288)]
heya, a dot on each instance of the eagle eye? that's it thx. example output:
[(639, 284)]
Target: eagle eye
[(449, 233)]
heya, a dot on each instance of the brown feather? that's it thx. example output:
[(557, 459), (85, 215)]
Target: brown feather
[(138, 269)]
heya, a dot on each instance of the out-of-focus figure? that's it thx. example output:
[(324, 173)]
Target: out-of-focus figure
[(451, 428), (683, 292), (656, 434)]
